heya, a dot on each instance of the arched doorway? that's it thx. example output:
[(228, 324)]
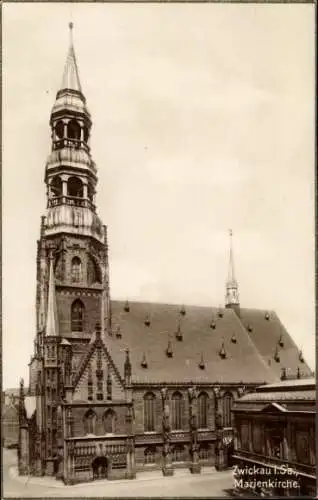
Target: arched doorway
[(100, 468)]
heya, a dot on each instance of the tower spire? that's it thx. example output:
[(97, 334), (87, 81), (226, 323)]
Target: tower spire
[(232, 295), (71, 79), (51, 318)]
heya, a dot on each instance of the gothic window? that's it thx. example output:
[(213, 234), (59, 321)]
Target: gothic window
[(75, 187), (149, 411), (93, 271), (204, 451), (77, 316), (56, 188), (178, 453), (76, 271), (73, 130), (203, 410), (150, 455), (109, 420), (90, 422), (176, 402), (227, 405)]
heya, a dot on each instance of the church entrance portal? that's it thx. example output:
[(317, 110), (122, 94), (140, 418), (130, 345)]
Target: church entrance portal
[(100, 468)]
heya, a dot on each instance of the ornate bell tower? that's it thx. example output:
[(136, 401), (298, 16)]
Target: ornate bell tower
[(72, 292), (71, 232)]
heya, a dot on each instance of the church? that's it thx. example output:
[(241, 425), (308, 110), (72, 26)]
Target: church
[(121, 387)]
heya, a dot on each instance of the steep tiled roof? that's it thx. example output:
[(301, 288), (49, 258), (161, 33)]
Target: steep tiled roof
[(147, 328), (266, 331)]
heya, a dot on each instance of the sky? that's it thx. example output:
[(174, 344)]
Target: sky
[(203, 120)]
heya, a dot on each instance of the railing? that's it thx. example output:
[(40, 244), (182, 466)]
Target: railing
[(70, 143), (73, 201)]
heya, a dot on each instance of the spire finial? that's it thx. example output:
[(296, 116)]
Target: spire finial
[(232, 296), (51, 317), (70, 76)]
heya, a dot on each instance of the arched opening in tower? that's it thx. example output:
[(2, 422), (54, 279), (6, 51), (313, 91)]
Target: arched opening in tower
[(75, 187), (56, 187), (73, 130), (59, 130)]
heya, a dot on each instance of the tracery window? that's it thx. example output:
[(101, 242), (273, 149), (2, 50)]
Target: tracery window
[(77, 316), (177, 404), (76, 270), (204, 451), (150, 455), (109, 421), (227, 405), (203, 410), (149, 411), (178, 453), (90, 422)]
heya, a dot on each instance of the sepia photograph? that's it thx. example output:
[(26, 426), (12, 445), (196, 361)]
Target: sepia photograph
[(158, 250)]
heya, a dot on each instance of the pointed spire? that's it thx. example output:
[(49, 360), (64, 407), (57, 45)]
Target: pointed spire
[(127, 365), (232, 295), (51, 317), (71, 79)]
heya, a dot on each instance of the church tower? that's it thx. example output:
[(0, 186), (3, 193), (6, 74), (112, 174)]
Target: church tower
[(72, 259), (232, 293)]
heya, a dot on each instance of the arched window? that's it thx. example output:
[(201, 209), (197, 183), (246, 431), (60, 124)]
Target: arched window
[(56, 186), (90, 422), (178, 453), (75, 187), (176, 402), (203, 410), (73, 130), (59, 130), (76, 271), (77, 316), (150, 455), (93, 271), (227, 405), (149, 411), (109, 421), (204, 451)]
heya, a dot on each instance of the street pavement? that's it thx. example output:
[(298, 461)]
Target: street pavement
[(148, 484)]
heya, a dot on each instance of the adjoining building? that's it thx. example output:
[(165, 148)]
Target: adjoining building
[(275, 445), (117, 387)]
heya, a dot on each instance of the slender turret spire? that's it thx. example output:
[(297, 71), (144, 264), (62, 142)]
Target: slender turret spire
[(51, 318), (71, 76), (232, 295)]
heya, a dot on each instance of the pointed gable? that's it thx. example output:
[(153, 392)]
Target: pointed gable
[(98, 367)]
